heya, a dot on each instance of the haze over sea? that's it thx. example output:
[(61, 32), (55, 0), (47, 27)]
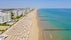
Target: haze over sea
[(58, 18)]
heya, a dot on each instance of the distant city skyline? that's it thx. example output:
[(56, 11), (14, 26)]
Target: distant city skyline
[(35, 3)]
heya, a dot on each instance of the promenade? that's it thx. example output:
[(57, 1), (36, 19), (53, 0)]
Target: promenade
[(25, 29)]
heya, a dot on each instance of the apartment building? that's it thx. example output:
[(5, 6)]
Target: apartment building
[(5, 17), (15, 12), (20, 12), (1, 19)]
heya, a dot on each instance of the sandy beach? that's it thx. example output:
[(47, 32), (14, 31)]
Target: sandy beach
[(36, 30), (25, 29)]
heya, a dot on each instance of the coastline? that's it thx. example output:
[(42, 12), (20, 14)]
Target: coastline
[(31, 21), (38, 26)]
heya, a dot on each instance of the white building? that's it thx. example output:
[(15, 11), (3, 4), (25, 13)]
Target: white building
[(9, 16), (3, 36), (24, 11), (28, 9), (15, 12), (20, 12), (1, 19), (5, 17)]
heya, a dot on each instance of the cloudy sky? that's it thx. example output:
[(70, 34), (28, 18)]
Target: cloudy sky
[(35, 3)]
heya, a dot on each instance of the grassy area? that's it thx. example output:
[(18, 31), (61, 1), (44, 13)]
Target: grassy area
[(2, 31), (4, 24), (19, 16)]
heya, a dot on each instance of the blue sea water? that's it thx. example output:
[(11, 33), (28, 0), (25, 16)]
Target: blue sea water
[(57, 19)]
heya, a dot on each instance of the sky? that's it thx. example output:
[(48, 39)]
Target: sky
[(35, 3)]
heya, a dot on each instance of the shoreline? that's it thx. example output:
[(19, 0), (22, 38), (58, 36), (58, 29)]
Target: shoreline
[(38, 25), (40, 29), (37, 31)]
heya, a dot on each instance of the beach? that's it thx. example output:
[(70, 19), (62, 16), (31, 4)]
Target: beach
[(36, 29), (26, 28)]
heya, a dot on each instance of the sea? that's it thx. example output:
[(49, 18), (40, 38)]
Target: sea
[(56, 23)]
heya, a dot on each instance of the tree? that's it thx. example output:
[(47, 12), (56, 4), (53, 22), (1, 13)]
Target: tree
[(12, 15)]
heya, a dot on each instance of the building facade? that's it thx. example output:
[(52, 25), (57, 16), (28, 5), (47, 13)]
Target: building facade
[(5, 17)]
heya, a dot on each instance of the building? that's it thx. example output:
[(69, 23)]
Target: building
[(1, 20), (15, 12), (24, 11), (5, 17), (3, 36), (20, 12), (9, 15)]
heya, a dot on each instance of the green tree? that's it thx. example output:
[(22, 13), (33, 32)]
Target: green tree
[(12, 15)]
